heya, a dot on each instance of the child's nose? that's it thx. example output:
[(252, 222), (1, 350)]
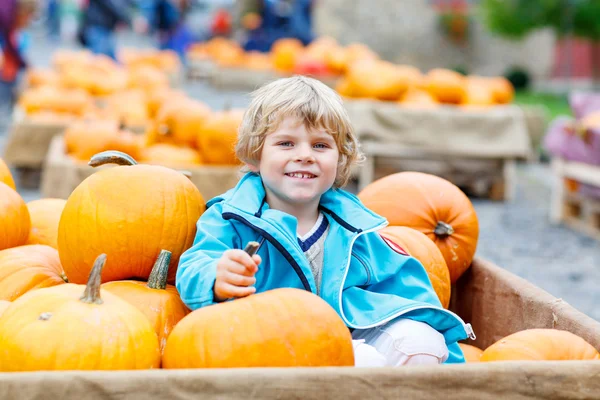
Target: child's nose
[(304, 154)]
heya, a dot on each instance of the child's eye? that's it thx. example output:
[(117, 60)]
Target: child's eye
[(321, 146), (285, 144)]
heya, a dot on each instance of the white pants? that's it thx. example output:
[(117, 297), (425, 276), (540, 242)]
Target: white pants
[(399, 342)]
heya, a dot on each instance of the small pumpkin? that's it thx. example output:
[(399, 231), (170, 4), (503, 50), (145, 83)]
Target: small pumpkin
[(540, 345), (29, 267), (433, 206), (159, 302), (3, 306), (472, 353), (503, 91), (417, 98), (478, 92), (278, 328), (446, 86), (59, 329), (5, 175), (179, 122), (15, 222), (85, 138), (218, 136), (131, 213), (285, 52), (170, 155), (419, 246), (45, 215)]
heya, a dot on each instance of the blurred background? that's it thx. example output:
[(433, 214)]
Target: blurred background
[(512, 86)]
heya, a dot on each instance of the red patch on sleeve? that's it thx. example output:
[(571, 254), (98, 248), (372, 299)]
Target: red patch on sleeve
[(395, 246)]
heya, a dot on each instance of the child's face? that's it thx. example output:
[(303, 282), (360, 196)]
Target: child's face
[(297, 165)]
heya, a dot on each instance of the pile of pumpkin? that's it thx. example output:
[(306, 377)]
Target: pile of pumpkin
[(86, 283), (362, 74), (82, 85)]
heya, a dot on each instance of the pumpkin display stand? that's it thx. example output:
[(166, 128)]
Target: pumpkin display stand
[(476, 149), (576, 210), (496, 303), (229, 78), (27, 144), (62, 174)]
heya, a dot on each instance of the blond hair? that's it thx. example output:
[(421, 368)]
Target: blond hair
[(313, 103)]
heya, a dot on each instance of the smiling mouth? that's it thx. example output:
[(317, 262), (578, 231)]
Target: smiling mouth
[(300, 175)]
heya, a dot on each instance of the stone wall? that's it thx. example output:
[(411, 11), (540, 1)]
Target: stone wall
[(406, 31)]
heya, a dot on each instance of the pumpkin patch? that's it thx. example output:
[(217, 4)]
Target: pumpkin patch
[(15, 222)]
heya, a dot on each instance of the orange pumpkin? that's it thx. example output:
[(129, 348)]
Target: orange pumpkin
[(278, 328), (159, 302), (3, 306), (423, 249), (170, 156), (59, 329), (160, 96), (45, 214), (540, 345), (478, 92), (381, 80), (130, 213), (472, 354), (179, 122), (258, 61), (15, 221), (446, 86), (417, 98), (127, 142), (285, 52), (217, 139), (5, 175), (503, 91), (433, 206), (29, 267), (85, 138)]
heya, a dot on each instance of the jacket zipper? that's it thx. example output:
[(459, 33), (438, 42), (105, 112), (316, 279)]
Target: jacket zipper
[(278, 246), (468, 328)]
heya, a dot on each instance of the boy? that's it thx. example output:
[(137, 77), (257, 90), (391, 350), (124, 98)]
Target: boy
[(298, 145)]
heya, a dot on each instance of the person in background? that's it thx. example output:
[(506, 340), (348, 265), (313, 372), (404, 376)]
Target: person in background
[(99, 22), (15, 15), (166, 18), (53, 18), (262, 22)]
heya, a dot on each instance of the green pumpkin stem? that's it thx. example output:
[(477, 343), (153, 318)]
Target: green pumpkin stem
[(91, 295), (111, 157), (443, 229), (160, 270)]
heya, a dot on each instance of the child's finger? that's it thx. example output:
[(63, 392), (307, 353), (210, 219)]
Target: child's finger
[(237, 291), (239, 280), (242, 257), (257, 259)]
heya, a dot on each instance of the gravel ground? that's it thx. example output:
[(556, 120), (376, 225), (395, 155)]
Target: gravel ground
[(516, 236)]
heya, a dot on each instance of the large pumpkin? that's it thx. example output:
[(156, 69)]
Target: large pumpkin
[(6, 176), (419, 246), (59, 329), (179, 122), (278, 328), (472, 353), (217, 138), (3, 306), (45, 215), (446, 86), (541, 345), (29, 267), (433, 206), (14, 218), (159, 302), (131, 213)]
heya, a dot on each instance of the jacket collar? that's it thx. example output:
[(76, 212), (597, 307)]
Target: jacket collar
[(346, 209)]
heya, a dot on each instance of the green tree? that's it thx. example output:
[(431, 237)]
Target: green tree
[(516, 18)]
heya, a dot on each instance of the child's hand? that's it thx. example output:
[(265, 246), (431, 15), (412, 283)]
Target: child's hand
[(235, 274)]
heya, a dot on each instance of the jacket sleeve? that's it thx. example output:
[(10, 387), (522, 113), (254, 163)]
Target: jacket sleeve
[(197, 268), (119, 11)]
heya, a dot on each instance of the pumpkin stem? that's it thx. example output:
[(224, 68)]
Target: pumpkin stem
[(91, 294), (111, 157), (185, 173), (160, 270), (64, 277), (443, 229)]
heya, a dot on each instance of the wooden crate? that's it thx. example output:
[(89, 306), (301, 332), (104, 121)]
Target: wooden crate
[(62, 174), (494, 178), (579, 212)]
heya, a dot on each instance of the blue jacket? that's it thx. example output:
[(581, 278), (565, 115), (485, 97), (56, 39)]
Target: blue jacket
[(364, 279)]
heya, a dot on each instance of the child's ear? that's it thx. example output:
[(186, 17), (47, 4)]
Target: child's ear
[(252, 168)]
